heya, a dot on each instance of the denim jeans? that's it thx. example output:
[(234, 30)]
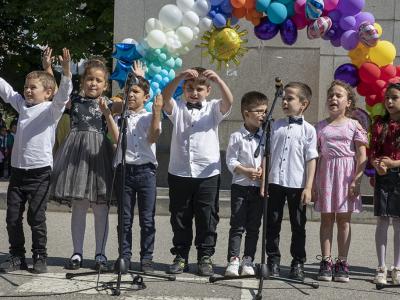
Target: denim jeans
[(140, 184)]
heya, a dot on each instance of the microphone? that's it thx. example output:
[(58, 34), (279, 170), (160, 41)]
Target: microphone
[(278, 83)]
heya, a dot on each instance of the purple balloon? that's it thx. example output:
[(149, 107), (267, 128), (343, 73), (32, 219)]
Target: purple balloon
[(350, 7), (349, 39), (370, 172), (288, 32), (347, 22), (266, 30), (335, 32), (364, 17), (347, 73), (335, 15)]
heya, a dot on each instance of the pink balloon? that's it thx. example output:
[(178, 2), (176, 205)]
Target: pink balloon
[(330, 4), (300, 21), (299, 6)]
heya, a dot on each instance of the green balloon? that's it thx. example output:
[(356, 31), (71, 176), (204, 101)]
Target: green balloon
[(378, 110)]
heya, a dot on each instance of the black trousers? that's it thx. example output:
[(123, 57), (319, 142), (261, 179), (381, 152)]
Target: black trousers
[(198, 198), (30, 186), (297, 212), (246, 213)]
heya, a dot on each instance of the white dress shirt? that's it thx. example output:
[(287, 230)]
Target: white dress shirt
[(138, 150), (34, 140), (292, 146), (195, 142), (240, 151)]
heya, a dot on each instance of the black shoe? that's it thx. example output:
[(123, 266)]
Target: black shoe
[(205, 267), (297, 271), (101, 263), (13, 263), (39, 264), (74, 264), (146, 266), (325, 270), (179, 265), (274, 269), (125, 267)]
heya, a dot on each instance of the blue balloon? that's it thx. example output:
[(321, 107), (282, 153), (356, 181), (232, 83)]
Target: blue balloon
[(226, 8), (277, 12), (219, 20), (266, 30), (262, 5), (216, 2), (126, 52), (288, 32), (121, 72)]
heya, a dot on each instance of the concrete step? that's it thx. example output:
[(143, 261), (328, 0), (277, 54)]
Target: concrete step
[(367, 216)]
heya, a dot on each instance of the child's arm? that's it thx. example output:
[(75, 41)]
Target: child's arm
[(155, 129), (46, 60), (307, 191), (227, 97), (112, 127), (389, 163), (361, 161), (252, 173), (8, 95), (169, 90), (139, 68)]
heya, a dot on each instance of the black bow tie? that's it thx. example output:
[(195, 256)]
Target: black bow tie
[(196, 105), (296, 120)]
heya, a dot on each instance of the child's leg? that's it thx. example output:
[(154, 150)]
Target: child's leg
[(181, 190), (239, 197), (38, 189), (298, 219), (253, 221), (276, 202), (396, 241), (382, 226), (146, 191), (205, 208), (100, 212), (344, 234), (15, 210), (78, 224), (326, 233)]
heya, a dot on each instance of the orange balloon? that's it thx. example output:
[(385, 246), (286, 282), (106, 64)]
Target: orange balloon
[(249, 15), (238, 3), (239, 12), (250, 4), (256, 21), (256, 14)]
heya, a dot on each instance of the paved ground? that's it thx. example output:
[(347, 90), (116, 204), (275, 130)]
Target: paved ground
[(188, 286)]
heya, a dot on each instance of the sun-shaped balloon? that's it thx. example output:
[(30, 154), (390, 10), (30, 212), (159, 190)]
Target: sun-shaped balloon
[(224, 44)]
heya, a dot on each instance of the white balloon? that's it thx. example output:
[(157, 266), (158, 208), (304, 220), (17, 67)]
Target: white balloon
[(205, 24), (185, 5), (190, 19), (156, 39), (201, 7), (185, 34), (170, 16), (129, 41), (152, 24), (196, 31)]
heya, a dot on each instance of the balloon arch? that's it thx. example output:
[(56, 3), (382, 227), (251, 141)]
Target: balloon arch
[(341, 22)]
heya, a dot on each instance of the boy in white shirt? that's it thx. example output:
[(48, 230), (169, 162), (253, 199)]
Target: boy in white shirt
[(246, 202), (291, 174), (142, 132), (32, 161), (195, 165)]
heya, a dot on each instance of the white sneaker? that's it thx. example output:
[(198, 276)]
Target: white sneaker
[(233, 267), (395, 275), (381, 275), (247, 266)]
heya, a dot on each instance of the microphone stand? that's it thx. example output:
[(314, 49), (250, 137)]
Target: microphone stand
[(120, 266), (261, 270)]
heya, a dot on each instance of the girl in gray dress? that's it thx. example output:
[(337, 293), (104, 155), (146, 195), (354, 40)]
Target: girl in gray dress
[(82, 175)]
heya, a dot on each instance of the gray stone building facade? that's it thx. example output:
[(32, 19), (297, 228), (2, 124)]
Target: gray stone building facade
[(310, 61)]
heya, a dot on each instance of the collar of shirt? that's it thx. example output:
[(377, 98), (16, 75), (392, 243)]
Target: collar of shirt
[(131, 113), (248, 135)]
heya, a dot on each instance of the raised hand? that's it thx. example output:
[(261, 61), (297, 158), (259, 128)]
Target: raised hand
[(157, 104), (189, 74), (103, 106), (212, 75), (47, 59), (65, 60), (139, 68)]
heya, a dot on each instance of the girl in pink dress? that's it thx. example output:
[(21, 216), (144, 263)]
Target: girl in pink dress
[(342, 157)]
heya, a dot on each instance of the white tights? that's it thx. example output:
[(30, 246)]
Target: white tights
[(78, 225), (381, 240)]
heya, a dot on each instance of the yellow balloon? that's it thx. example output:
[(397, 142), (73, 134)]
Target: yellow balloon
[(378, 28), (383, 53), (359, 54)]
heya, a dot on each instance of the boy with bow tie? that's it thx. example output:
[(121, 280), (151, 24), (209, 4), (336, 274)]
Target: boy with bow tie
[(246, 204), (195, 165), (291, 174)]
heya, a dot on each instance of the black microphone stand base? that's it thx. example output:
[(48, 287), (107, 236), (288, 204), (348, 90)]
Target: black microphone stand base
[(380, 286), (121, 269)]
